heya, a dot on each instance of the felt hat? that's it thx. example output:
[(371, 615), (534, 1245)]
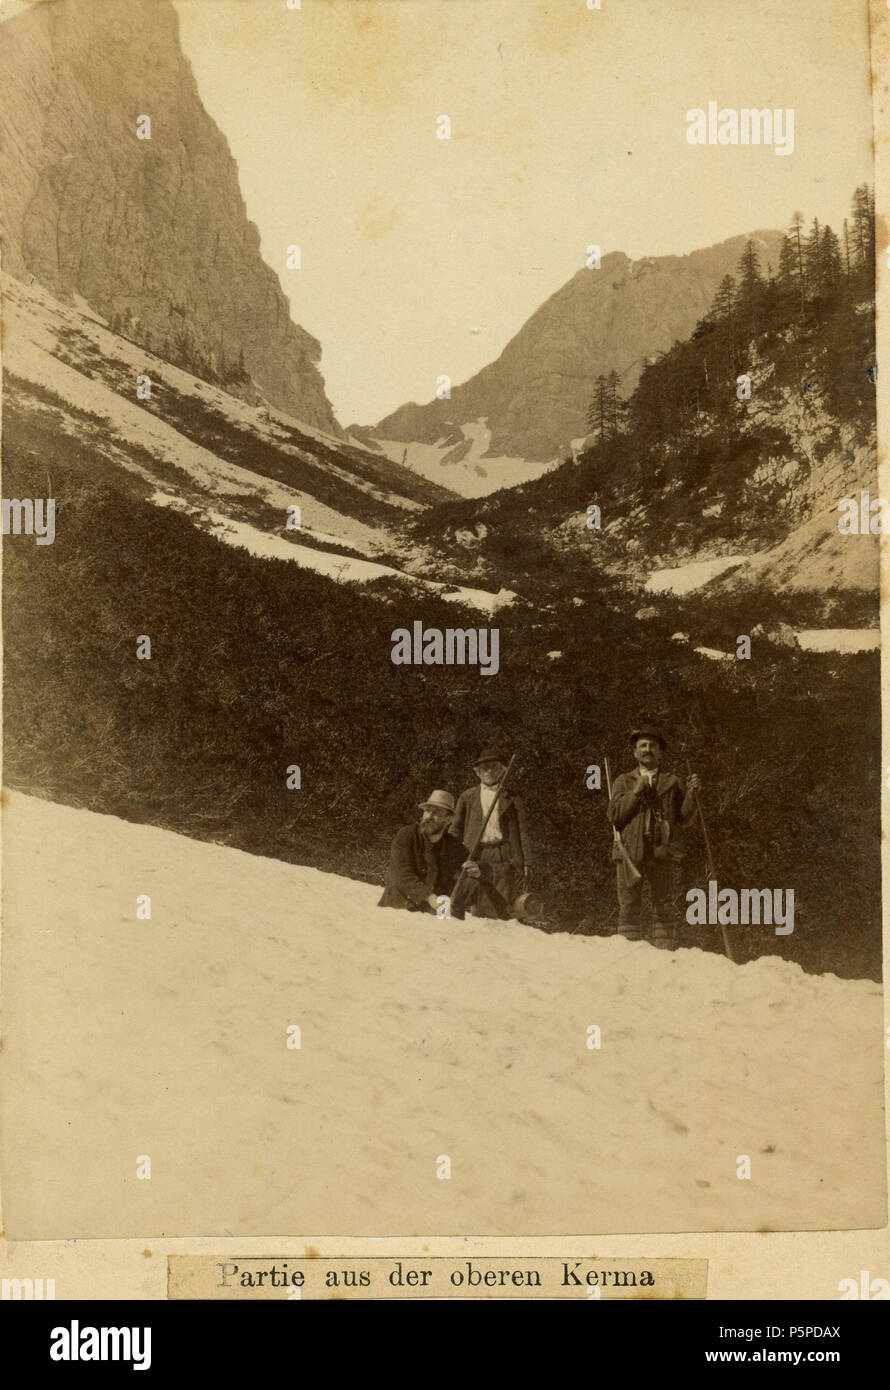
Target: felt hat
[(488, 755), (646, 731), (442, 801)]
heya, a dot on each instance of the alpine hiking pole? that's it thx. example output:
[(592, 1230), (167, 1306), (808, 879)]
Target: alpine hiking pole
[(711, 868)]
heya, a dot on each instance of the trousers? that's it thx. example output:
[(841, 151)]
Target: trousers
[(497, 872), (659, 874)]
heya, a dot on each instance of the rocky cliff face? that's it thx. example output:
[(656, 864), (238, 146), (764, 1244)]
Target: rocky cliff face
[(535, 396), (153, 233)]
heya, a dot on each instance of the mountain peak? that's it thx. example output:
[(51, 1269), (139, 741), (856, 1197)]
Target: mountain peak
[(153, 232), (536, 394)]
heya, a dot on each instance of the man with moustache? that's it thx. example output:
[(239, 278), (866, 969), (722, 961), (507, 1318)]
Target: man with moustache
[(424, 861), (503, 855), (651, 809)]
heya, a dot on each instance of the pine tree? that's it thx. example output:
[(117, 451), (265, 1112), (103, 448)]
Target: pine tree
[(787, 283), (796, 232), (724, 301), (771, 316), (862, 226), (812, 260), (862, 240), (616, 406), (723, 316), (871, 217), (607, 415), (750, 294), (831, 268), (597, 414)]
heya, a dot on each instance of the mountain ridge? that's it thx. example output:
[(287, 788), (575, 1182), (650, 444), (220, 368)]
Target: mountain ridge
[(562, 347)]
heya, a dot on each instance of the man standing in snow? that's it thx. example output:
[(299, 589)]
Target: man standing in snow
[(651, 809), (424, 860), (502, 855)]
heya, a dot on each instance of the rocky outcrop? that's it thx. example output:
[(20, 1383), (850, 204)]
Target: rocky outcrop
[(825, 460), (152, 233), (536, 395)]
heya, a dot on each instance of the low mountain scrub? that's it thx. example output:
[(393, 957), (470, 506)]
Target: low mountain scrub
[(259, 665)]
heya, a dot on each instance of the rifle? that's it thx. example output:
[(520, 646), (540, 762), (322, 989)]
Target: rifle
[(630, 868), (474, 851)]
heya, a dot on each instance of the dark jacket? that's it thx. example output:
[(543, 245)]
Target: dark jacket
[(418, 867), (628, 813), (467, 822)]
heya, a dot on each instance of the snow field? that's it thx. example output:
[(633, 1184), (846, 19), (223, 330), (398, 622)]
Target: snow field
[(167, 1038)]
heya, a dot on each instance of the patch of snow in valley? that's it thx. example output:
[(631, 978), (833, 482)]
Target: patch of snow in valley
[(474, 475), (840, 639), (714, 653), (684, 578), (344, 569), (834, 639)]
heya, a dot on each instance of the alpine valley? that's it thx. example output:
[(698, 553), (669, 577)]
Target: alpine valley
[(649, 470)]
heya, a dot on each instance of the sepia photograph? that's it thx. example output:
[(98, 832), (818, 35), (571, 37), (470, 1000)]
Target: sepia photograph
[(442, 724)]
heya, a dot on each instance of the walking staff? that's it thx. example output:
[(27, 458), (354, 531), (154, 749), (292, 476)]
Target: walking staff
[(727, 946)]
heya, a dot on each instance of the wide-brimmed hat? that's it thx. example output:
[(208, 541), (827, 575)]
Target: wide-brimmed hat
[(488, 755), (443, 801), (646, 731)]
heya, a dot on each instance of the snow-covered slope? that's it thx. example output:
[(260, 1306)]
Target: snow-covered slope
[(33, 326), (167, 1037), (184, 442), (70, 351), (813, 557)]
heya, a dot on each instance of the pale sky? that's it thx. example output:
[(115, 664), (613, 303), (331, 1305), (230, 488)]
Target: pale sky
[(423, 256)]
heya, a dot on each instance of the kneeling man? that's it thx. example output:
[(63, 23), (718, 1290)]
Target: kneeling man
[(424, 860)]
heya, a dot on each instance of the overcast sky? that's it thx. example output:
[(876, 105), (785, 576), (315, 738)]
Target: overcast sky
[(423, 256)]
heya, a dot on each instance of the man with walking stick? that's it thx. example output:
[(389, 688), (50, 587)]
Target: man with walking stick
[(649, 811)]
